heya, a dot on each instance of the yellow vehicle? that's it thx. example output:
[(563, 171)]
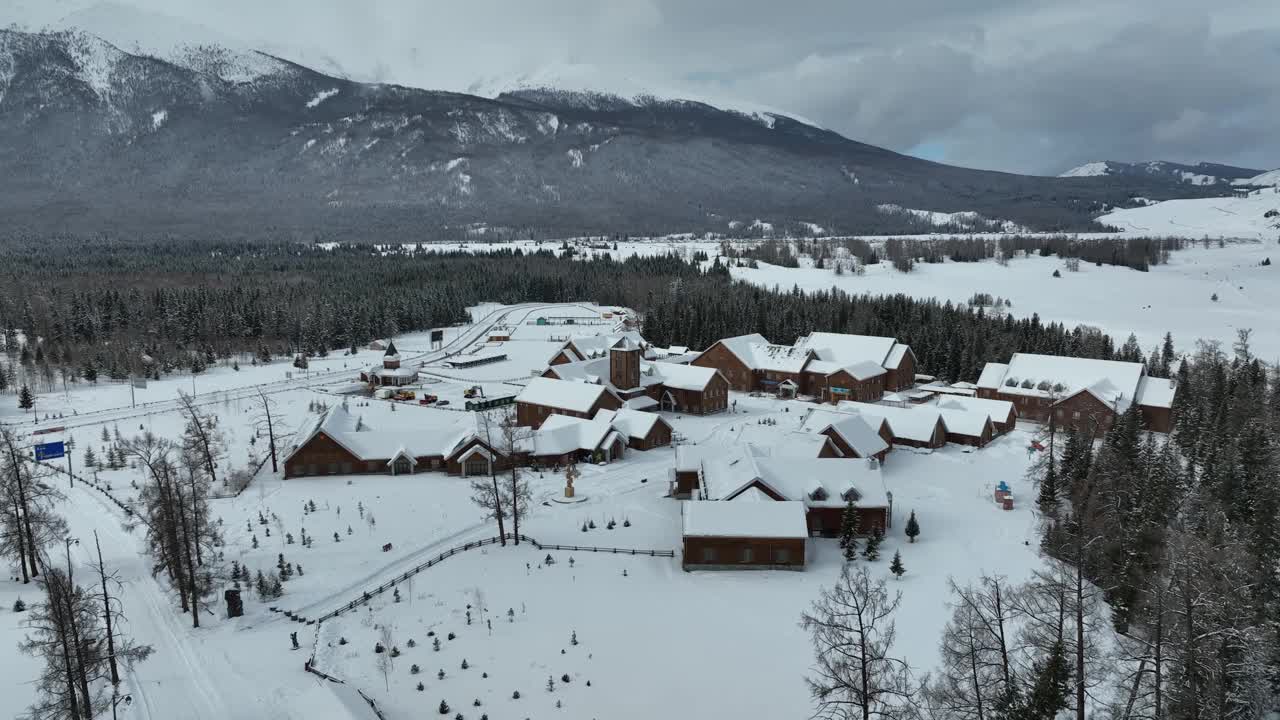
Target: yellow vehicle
[(405, 395)]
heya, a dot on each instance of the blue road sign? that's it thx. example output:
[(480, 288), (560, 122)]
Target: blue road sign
[(51, 450)]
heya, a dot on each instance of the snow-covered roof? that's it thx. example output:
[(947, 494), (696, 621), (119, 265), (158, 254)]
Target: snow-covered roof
[(631, 423), (896, 355), (563, 394), (408, 371), (992, 376), (593, 346), (779, 358), (864, 370), (644, 402), (740, 346), (1156, 392), (797, 443), (912, 423), (745, 519), (369, 444), (824, 482), (998, 410), (962, 421), (624, 343), (560, 434), (684, 377), (1111, 381), (964, 386), (853, 429), (391, 353), (848, 349)]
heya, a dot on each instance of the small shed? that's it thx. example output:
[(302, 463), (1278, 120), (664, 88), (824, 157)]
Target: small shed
[(750, 532)]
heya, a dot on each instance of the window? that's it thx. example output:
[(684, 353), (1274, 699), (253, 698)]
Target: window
[(748, 554), (476, 465), (1075, 415), (708, 555), (333, 468), (346, 468), (781, 556)]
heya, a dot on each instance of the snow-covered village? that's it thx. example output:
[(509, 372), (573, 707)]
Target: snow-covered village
[(621, 362)]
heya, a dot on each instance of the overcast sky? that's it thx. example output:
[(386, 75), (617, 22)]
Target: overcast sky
[(1019, 85)]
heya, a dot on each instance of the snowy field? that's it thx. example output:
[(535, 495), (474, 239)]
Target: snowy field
[(714, 641), (1196, 218), (1169, 298)]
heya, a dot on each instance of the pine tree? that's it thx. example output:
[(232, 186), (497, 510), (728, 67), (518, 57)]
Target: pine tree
[(912, 530), (26, 400), (1047, 500), (90, 459), (872, 550), (849, 531), (896, 567)]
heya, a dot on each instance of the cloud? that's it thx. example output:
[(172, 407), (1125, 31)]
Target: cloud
[(1021, 85)]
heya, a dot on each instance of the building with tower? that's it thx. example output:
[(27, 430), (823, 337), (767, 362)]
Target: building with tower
[(390, 373)]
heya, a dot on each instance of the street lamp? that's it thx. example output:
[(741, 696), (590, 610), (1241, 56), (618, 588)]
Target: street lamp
[(68, 541), (116, 700)]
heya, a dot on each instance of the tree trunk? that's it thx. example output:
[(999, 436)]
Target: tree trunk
[(22, 501), (22, 542), (515, 503), (106, 614), (192, 588), (1080, 678), (497, 505), (271, 434)]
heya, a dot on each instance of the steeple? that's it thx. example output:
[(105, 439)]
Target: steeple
[(391, 359)]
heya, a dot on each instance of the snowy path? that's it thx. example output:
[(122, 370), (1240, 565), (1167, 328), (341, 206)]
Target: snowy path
[(213, 673)]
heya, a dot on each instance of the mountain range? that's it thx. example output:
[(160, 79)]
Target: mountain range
[(1203, 173), (241, 143)]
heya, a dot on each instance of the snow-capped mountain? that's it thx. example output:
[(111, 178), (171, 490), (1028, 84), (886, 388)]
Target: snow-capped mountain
[(1200, 174), (92, 137), (1271, 178)]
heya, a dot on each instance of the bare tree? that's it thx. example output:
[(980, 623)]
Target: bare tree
[(26, 518), (201, 436), (266, 420), (174, 511), (118, 646), (852, 628), (385, 662), (514, 437), (487, 493), (975, 679)]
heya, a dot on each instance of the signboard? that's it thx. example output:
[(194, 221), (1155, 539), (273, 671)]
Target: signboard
[(50, 450), (140, 383), (839, 390), (48, 430), (437, 336)]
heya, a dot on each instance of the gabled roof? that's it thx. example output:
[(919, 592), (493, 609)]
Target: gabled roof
[(391, 353), (864, 370), (740, 346), (365, 444), (745, 519), (632, 423), (998, 410), (848, 349), (594, 346), (1113, 382), (779, 358), (562, 394), (1156, 392), (856, 432), (992, 376), (683, 377), (896, 355), (561, 434), (961, 421), (912, 423)]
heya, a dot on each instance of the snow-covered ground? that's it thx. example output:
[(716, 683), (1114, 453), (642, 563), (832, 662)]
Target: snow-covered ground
[(718, 644), (1230, 217), (1169, 298)]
